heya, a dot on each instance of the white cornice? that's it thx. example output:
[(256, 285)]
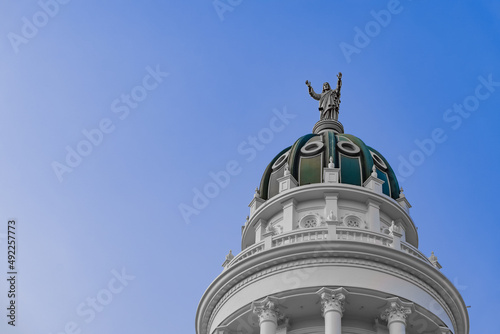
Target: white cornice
[(344, 191), (346, 249)]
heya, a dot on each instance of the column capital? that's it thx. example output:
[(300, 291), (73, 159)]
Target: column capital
[(267, 310), (396, 310), (332, 300)]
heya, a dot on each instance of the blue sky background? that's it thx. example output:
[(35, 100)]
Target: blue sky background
[(119, 208)]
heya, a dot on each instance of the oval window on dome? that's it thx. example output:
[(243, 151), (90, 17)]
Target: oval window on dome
[(348, 147), (312, 148), (280, 161), (378, 161)]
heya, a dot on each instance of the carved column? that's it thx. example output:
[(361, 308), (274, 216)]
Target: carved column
[(396, 314), (268, 313), (289, 214), (373, 215), (332, 306)]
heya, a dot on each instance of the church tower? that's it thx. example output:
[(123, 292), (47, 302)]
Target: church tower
[(330, 247)]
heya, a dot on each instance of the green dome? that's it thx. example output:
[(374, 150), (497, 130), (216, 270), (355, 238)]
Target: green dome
[(308, 156)]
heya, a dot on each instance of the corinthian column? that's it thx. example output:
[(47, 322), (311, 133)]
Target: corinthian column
[(396, 314), (332, 307), (268, 313)]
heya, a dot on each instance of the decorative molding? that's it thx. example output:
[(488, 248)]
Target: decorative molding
[(295, 264)]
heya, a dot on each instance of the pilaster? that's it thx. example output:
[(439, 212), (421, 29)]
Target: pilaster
[(289, 214), (260, 229), (331, 206), (373, 215)]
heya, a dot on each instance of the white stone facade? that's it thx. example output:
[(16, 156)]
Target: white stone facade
[(331, 258)]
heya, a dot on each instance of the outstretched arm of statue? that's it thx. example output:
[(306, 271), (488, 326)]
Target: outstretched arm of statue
[(312, 92)]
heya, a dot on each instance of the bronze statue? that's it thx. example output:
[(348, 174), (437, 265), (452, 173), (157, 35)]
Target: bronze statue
[(329, 100)]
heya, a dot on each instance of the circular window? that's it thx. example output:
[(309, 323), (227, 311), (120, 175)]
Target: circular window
[(281, 160), (312, 148), (352, 221), (348, 147), (378, 160), (309, 221)]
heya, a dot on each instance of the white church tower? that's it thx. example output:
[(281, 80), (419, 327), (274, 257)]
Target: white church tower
[(330, 247)]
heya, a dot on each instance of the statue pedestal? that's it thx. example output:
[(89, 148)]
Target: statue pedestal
[(328, 124)]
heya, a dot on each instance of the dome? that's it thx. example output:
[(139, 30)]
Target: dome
[(311, 153), (329, 246)]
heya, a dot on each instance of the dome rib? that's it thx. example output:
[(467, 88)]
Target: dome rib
[(356, 166)]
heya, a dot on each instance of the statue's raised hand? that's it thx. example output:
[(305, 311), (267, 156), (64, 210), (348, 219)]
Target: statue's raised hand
[(308, 83)]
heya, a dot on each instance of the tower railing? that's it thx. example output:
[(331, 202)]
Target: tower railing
[(322, 234)]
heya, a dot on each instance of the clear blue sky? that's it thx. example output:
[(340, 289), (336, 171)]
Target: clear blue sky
[(217, 77)]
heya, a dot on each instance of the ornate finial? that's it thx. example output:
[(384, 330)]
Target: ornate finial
[(257, 193), (248, 218), (329, 100), (229, 256), (374, 171), (434, 260), (287, 171), (331, 164), (401, 194)]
